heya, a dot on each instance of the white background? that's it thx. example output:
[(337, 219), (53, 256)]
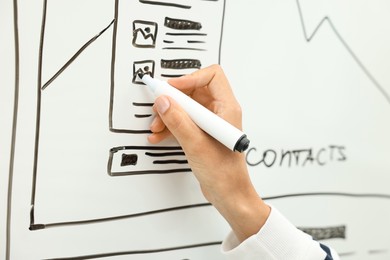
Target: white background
[(295, 95)]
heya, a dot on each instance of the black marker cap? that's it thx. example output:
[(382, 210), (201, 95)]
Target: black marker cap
[(242, 144)]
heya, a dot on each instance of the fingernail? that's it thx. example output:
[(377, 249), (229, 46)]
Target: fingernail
[(162, 104)]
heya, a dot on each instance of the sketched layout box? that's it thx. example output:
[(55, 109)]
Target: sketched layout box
[(164, 43), (86, 146), (123, 160)]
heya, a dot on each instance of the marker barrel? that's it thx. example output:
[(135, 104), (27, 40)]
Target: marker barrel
[(209, 122)]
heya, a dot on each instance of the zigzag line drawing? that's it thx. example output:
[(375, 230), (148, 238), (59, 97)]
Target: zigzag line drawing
[(326, 19)]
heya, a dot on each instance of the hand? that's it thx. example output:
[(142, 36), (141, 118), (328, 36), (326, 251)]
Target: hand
[(222, 173)]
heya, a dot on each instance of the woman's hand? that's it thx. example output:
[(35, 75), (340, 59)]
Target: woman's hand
[(222, 173)]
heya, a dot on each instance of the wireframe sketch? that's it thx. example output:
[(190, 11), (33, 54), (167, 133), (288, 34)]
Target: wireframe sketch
[(156, 45), (91, 169), (165, 46)]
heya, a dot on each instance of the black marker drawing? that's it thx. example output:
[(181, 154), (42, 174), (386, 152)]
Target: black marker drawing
[(325, 232), (370, 252), (346, 254), (378, 251), (153, 251), (326, 19), (142, 104), (159, 154), (140, 252), (151, 2), (127, 158), (186, 34), (74, 57), (181, 64), (171, 75), (113, 168), (297, 157), (35, 226), (144, 34), (170, 162), (14, 127), (189, 41), (142, 115), (146, 67), (184, 49), (181, 24), (201, 205), (182, 37)]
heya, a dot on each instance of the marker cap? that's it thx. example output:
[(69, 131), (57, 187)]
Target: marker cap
[(242, 144)]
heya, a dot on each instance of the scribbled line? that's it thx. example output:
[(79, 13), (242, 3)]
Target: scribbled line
[(114, 150), (370, 252), (142, 115), (166, 41), (181, 64), (138, 252), (338, 194), (186, 34), (76, 55), (14, 126), (172, 75), (346, 254), (170, 162), (164, 154), (165, 4), (325, 232), (180, 24), (189, 41), (129, 131), (142, 104), (378, 251), (116, 218), (183, 48), (346, 46)]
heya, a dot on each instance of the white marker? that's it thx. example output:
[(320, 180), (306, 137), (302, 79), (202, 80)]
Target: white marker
[(212, 124)]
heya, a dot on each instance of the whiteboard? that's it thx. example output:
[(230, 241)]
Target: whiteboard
[(79, 179)]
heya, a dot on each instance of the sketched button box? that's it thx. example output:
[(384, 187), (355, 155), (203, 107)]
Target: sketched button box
[(134, 160)]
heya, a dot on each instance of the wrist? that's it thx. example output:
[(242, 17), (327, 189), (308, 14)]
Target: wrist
[(245, 212)]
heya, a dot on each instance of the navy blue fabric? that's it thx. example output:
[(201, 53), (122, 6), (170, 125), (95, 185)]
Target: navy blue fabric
[(327, 251)]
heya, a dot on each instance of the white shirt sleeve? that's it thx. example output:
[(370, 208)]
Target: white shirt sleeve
[(278, 239)]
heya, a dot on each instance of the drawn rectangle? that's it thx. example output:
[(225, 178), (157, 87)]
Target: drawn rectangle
[(161, 33)]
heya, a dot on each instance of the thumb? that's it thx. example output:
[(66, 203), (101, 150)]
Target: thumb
[(177, 121)]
